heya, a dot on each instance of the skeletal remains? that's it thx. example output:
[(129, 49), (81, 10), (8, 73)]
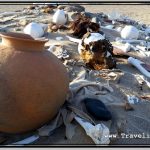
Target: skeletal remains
[(94, 49)]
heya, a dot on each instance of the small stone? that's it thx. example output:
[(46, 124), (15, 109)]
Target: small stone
[(54, 28), (130, 32), (17, 29), (109, 26), (50, 25), (94, 19), (112, 74), (47, 10), (52, 48), (31, 7), (36, 30), (127, 47), (74, 8), (59, 38), (128, 107), (60, 17), (23, 22), (62, 27), (147, 38), (61, 6), (119, 29), (53, 6)]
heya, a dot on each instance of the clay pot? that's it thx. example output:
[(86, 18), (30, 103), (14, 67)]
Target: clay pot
[(33, 83)]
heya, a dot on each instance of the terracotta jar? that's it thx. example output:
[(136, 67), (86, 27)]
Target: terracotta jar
[(33, 83)]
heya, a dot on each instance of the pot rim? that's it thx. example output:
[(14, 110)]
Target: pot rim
[(15, 36)]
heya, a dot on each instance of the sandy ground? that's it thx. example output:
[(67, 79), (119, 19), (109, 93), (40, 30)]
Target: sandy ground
[(78, 0), (138, 12)]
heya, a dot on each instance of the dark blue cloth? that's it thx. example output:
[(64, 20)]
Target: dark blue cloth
[(97, 109)]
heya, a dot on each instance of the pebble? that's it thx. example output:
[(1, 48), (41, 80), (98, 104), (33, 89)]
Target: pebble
[(31, 7), (147, 38), (127, 47), (59, 38), (109, 26), (130, 32), (128, 107), (112, 74), (52, 48), (94, 19), (74, 8), (47, 10), (54, 28), (23, 22), (60, 17), (34, 29), (61, 6), (119, 29)]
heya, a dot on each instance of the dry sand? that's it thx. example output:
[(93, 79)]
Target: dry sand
[(138, 12)]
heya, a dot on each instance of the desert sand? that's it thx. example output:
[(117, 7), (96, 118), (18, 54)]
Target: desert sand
[(137, 120), (138, 12)]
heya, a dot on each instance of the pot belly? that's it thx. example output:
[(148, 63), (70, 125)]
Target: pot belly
[(33, 88)]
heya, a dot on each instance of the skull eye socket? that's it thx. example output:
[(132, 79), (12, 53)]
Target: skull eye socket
[(94, 48), (91, 47)]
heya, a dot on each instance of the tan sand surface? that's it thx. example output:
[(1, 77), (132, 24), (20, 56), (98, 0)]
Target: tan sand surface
[(138, 119), (137, 12)]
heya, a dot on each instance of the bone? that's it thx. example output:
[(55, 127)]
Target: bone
[(137, 63), (130, 41), (4, 14), (93, 37), (51, 48), (144, 53), (143, 48), (59, 38), (145, 80), (108, 28), (125, 48), (27, 140), (99, 133), (74, 39)]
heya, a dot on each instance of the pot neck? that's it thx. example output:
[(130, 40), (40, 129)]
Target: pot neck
[(23, 44)]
